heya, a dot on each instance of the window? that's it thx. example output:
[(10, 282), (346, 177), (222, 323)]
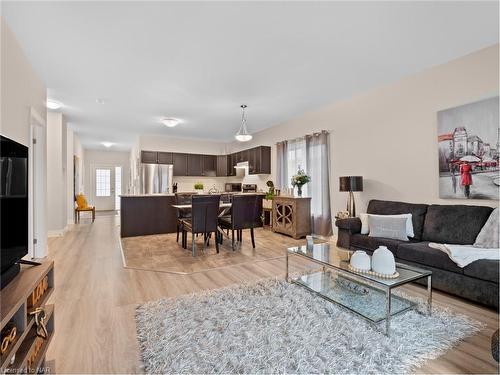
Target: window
[(297, 159), (102, 182)]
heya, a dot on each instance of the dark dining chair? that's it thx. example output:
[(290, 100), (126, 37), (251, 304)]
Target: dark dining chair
[(246, 213), (204, 219), (182, 213)]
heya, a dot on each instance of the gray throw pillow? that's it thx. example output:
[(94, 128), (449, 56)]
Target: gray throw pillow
[(488, 237), (388, 227)]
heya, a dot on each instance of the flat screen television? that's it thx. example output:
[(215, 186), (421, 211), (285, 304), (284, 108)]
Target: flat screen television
[(13, 207)]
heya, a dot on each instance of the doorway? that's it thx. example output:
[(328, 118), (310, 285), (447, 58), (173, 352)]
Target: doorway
[(106, 187)]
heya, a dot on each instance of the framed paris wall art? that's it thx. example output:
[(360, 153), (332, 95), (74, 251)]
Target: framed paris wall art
[(468, 147)]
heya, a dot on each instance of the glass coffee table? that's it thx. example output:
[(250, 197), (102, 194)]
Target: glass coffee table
[(367, 296)]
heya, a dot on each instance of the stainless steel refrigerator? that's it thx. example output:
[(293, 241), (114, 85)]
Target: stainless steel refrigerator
[(156, 178)]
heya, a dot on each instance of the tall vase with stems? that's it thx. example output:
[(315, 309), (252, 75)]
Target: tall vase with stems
[(299, 180), (299, 190)]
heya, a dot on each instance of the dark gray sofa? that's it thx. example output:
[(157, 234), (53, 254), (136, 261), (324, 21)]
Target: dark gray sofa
[(451, 224)]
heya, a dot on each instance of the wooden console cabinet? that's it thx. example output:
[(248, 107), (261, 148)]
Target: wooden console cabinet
[(292, 216), (29, 290)]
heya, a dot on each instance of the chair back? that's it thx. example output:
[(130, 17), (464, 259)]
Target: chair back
[(205, 213), (81, 201), (246, 211), (183, 198)]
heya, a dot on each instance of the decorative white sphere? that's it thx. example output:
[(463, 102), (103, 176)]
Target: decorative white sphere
[(360, 260), (383, 261)]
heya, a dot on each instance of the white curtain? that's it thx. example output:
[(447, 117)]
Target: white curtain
[(318, 168), (282, 180), (297, 159), (312, 154)]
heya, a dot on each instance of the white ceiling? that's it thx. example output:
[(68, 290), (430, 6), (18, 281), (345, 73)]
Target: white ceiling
[(200, 61)]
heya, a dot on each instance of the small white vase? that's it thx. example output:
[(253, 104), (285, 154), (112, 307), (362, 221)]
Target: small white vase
[(383, 261), (360, 260)]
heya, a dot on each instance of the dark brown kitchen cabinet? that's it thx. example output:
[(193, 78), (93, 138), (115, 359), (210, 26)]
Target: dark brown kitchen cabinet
[(149, 157), (165, 158), (253, 160), (180, 164), (259, 160), (209, 165), (195, 165), (264, 160), (222, 165)]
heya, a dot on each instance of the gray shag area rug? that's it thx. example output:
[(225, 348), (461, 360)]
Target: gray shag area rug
[(275, 327)]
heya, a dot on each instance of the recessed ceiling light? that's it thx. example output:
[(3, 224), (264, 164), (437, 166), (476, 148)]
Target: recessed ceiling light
[(170, 122), (100, 101), (107, 144), (52, 104)]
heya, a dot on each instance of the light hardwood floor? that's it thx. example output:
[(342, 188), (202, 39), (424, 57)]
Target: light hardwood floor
[(96, 297)]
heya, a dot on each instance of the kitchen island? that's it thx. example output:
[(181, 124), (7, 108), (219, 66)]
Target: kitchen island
[(145, 214)]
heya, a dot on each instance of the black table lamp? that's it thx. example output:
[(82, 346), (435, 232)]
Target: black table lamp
[(350, 184)]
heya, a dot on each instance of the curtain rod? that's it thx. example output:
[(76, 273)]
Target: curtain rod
[(307, 135)]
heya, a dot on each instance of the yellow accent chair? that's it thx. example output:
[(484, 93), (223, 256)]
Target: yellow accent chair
[(83, 206)]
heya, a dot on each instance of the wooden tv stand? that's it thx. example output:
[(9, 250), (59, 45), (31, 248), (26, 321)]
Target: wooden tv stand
[(29, 290)]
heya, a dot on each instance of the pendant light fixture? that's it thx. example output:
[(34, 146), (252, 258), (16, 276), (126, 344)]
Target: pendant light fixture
[(243, 135)]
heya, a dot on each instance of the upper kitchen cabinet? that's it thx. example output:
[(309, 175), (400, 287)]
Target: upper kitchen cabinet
[(165, 158), (180, 164), (194, 165), (149, 157), (259, 160), (209, 164), (222, 165)]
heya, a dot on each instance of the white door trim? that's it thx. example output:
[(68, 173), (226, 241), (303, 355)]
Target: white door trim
[(36, 187)]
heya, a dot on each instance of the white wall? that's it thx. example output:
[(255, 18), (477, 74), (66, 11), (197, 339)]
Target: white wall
[(389, 135), (79, 153), (100, 157), (70, 199), (56, 173), (22, 91)]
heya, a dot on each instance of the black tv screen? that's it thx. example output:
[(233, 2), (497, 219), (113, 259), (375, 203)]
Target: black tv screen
[(13, 202)]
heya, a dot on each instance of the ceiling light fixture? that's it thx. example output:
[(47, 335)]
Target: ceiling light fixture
[(107, 144), (52, 104), (243, 135), (170, 122)]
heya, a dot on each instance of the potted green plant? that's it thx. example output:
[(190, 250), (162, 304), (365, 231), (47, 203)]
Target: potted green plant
[(268, 199), (198, 186), (299, 180)]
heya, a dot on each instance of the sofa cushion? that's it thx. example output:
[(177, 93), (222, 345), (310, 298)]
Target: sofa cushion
[(454, 224), (488, 237), (484, 269), (388, 227), (420, 252), (394, 208), (365, 242)]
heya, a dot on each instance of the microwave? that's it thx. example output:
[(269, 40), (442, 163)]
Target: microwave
[(232, 187)]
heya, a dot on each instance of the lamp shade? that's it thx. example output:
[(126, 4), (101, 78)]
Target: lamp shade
[(351, 183)]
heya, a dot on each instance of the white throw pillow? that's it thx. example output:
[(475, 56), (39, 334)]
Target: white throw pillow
[(409, 223), (488, 236)]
